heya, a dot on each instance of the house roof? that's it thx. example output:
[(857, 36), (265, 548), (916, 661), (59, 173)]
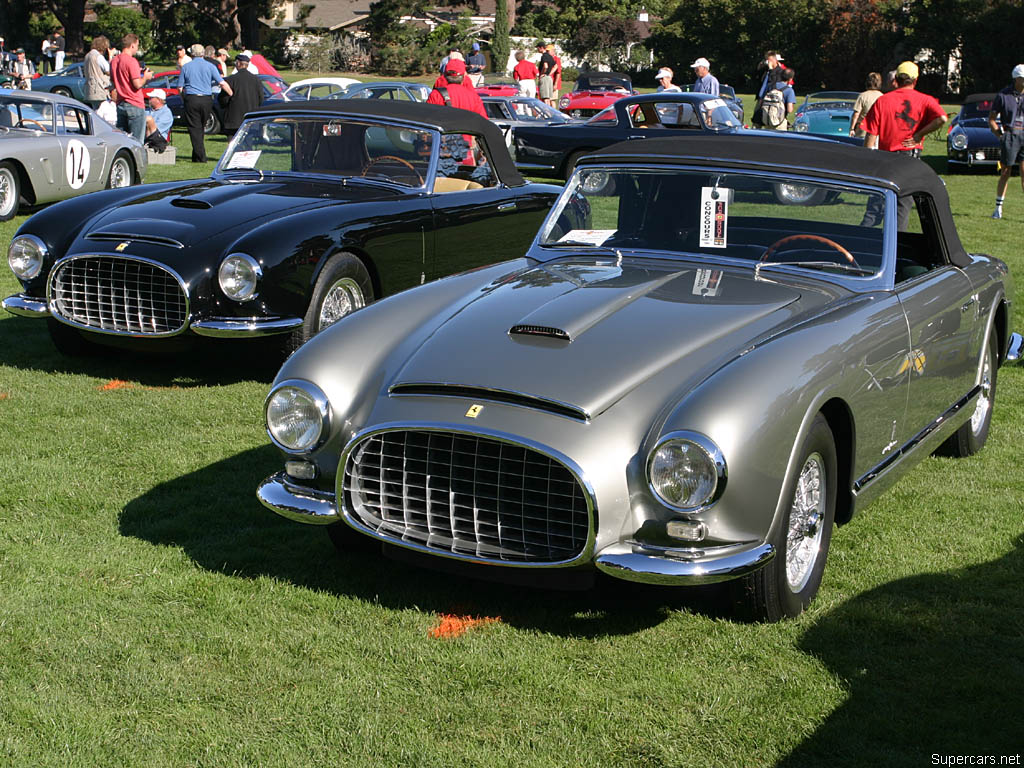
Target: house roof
[(328, 14)]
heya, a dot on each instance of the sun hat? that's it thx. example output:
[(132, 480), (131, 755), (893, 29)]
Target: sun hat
[(663, 72), (1018, 71), (908, 68), (702, 62), (158, 93)]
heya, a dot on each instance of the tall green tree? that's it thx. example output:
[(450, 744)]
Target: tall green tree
[(501, 45)]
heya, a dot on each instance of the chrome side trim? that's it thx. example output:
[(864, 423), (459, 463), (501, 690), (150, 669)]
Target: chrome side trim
[(586, 553), (242, 327), (1014, 349), (702, 567), (26, 306), (303, 505), (506, 396), (871, 475)]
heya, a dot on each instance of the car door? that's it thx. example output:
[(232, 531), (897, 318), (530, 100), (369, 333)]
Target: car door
[(942, 311), (84, 154), (478, 220)]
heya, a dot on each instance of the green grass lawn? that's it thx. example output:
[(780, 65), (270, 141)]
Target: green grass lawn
[(152, 613)]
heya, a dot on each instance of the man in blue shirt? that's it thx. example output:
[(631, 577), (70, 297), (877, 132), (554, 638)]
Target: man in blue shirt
[(706, 82), (158, 120), (196, 83), (1006, 120)]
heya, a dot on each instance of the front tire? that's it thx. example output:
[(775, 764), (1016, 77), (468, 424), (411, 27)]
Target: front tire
[(120, 173), (212, 124), (10, 191), (973, 433), (790, 581), (343, 287), (61, 91)]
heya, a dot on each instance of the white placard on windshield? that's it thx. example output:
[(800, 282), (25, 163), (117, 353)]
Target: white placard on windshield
[(591, 236), (714, 217), (246, 159), (713, 104)]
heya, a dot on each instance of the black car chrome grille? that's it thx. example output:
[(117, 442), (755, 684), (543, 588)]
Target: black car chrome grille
[(467, 495), (118, 295)]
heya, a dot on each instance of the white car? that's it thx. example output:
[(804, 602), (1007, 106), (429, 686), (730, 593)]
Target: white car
[(316, 88)]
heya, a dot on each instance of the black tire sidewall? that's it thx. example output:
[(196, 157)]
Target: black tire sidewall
[(975, 442), (4, 165), (338, 266)]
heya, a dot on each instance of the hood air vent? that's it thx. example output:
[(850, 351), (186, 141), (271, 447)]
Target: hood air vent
[(539, 330), (189, 202), (430, 389)]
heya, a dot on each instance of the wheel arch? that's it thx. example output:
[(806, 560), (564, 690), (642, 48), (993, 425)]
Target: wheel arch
[(132, 166), (357, 252), (28, 192), (1001, 326), (840, 420), (567, 166)]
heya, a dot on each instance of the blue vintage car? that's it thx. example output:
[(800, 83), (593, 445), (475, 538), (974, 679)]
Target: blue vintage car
[(969, 141), (826, 113), (69, 81)]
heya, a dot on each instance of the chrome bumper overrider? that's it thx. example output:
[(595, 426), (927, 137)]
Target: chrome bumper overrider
[(304, 505), (1013, 353), (231, 327), (681, 567), (26, 306)]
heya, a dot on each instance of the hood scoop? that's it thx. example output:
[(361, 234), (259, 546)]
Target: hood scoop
[(191, 202), (539, 330)]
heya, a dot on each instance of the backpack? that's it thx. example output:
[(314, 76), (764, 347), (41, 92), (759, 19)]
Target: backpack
[(773, 108)]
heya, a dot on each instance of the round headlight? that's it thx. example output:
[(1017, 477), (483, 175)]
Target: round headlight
[(958, 140), (298, 416), (25, 256), (239, 276), (800, 127), (686, 471)]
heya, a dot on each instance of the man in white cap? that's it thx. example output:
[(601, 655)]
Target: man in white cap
[(158, 120), (664, 78), (1006, 120), (705, 82)]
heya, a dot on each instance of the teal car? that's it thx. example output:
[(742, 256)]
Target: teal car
[(69, 81), (826, 113)]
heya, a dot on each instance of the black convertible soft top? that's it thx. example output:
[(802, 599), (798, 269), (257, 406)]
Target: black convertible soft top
[(806, 155), (445, 119)]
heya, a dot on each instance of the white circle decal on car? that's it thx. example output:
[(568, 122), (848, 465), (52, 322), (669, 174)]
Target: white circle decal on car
[(76, 164)]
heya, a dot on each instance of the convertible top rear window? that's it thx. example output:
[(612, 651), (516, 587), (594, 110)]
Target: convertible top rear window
[(733, 215)]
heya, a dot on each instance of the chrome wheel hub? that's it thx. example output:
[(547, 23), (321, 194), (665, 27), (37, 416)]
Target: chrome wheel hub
[(796, 193), (803, 539), (119, 174), (7, 199), (343, 298), (984, 404)]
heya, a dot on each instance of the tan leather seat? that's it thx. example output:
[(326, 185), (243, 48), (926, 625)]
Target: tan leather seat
[(444, 184)]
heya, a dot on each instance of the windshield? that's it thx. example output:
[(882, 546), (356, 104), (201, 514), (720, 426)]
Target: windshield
[(709, 114), (976, 109), (716, 214), (334, 146)]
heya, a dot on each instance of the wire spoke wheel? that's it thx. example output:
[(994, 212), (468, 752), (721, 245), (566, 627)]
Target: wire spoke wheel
[(120, 174), (9, 193), (803, 539), (343, 298), (981, 409)]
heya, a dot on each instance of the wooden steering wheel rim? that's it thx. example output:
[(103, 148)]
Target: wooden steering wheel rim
[(30, 120), (399, 160), (817, 238)]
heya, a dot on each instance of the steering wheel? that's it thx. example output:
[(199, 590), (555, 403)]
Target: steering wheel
[(21, 123), (392, 159), (816, 238)]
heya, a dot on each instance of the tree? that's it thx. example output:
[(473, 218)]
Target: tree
[(501, 45), (603, 38), (210, 22), (116, 22)]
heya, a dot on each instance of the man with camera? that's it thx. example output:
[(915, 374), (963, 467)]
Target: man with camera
[(129, 77)]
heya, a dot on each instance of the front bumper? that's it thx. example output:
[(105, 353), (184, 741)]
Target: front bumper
[(26, 306), (631, 562), (244, 327)]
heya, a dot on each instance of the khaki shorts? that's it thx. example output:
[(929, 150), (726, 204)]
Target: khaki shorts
[(545, 87)]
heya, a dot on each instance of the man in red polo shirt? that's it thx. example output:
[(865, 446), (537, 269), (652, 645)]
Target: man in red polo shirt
[(900, 119), (129, 78), (456, 94)]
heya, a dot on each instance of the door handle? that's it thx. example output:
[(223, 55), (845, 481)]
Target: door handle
[(507, 206), (967, 306), (101, 143)]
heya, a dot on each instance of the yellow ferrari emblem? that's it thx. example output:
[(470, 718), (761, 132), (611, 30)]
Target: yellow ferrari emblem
[(474, 411), (121, 246)]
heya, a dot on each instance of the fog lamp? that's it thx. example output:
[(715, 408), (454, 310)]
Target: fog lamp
[(300, 470), (686, 530)]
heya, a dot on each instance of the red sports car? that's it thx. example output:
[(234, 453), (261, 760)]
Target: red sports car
[(594, 91), (499, 88)]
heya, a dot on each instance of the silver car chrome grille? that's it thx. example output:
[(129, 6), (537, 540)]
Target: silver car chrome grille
[(467, 495), (118, 295)]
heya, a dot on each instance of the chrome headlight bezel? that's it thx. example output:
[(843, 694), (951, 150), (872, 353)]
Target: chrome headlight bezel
[(40, 250), (233, 265), (320, 425), (801, 127), (706, 451), (958, 140)]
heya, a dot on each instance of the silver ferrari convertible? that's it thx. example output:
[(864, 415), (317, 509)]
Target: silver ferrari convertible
[(53, 147), (692, 375)]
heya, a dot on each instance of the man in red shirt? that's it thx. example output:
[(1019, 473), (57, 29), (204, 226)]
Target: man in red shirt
[(900, 119), (128, 78), (898, 122), (457, 95)]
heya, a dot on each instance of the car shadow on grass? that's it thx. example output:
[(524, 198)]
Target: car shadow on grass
[(213, 516), (934, 666), (26, 345)]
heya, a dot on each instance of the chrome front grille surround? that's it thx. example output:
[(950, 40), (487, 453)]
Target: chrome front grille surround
[(468, 496), (119, 295)]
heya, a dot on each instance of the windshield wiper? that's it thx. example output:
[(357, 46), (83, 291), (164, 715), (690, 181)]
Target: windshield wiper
[(819, 265)]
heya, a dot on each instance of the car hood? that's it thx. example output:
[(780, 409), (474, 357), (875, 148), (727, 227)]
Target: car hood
[(199, 209), (585, 333)]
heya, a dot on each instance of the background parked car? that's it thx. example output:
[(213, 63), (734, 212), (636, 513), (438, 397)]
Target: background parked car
[(969, 141), (594, 91), (53, 147), (498, 88), (728, 93), (386, 90), (313, 88), (69, 81), (826, 113), (272, 85), (511, 112)]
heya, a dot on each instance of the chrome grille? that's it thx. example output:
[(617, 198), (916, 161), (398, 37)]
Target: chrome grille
[(118, 295), (467, 495)]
